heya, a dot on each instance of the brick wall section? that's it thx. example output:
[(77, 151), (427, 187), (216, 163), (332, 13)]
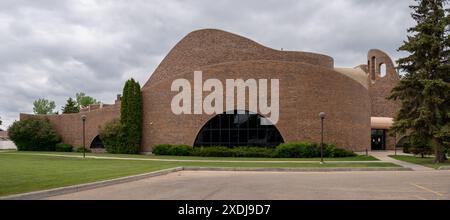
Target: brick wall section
[(69, 126), (305, 90), (380, 88)]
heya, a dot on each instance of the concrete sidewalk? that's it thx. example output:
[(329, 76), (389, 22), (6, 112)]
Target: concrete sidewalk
[(384, 156), (202, 161)]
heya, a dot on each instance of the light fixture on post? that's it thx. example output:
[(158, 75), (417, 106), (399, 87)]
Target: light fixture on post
[(83, 119), (322, 117)]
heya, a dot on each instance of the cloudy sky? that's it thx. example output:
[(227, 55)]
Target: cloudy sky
[(53, 49)]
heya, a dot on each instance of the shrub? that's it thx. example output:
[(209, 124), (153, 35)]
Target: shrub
[(310, 150), (297, 150), (290, 150), (338, 152), (330, 150), (112, 136), (180, 150), (161, 149), (172, 150), (212, 152), (233, 152), (80, 150), (421, 150), (406, 147), (34, 134), (420, 146), (61, 147), (253, 152)]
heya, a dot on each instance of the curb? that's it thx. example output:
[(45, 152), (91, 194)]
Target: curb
[(81, 187), (444, 168), (337, 169)]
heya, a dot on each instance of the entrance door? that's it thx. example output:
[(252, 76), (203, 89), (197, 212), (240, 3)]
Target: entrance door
[(378, 139)]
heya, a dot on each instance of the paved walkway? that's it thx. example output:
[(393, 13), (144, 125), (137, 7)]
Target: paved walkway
[(384, 156), (194, 160)]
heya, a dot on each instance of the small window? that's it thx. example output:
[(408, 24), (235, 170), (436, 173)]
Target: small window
[(372, 68), (383, 70)]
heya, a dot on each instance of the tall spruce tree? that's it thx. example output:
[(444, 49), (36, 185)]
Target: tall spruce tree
[(424, 90), (131, 115), (70, 107)]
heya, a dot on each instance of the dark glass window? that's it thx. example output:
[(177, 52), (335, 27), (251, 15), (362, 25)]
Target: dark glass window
[(241, 128)]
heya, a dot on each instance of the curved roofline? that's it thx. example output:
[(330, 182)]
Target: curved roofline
[(260, 44), (212, 46)]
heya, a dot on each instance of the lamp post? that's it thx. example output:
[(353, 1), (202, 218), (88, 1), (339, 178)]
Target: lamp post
[(395, 143), (322, 117), (83, 118)]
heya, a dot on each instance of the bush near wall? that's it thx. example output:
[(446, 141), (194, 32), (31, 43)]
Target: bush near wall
[(34, 134), (174, 150), (61, 147), (112, 136), (289, 150), (233, 152), (310, 150), (80, 150)]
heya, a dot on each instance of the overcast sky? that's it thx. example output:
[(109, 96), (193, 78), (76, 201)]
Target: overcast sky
[(53, 49)]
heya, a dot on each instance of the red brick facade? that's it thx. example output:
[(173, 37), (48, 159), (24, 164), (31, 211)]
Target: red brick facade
[(309, 84)]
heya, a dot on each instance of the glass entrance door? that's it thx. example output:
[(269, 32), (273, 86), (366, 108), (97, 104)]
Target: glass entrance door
[(378, 139)]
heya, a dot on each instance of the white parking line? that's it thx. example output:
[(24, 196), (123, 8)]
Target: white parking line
[(426, 189)]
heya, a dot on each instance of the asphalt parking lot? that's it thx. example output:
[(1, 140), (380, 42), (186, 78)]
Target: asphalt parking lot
[(212, 185)]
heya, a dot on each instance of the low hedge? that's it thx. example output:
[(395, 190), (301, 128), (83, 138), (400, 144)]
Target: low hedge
[(80, 150), (310, 150), (61, 147), (288, 150), (233, 152), (173, 150)]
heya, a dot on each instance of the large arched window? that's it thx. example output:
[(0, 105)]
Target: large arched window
[(238, 128)]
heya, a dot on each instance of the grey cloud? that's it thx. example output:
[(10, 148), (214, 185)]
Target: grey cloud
[(53, 49)]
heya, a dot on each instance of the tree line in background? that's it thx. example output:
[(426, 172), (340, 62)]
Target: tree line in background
[(424, 89), (45, 107)]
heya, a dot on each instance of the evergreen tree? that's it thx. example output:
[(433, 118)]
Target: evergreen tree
[(424, 90), (131, 115), (70, 107)]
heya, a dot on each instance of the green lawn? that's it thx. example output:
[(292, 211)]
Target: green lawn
[(427, 161), (357, 158), (25, 172)]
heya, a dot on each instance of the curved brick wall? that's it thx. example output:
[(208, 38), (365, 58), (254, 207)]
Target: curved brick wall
[(305, 90), (207, 47)]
